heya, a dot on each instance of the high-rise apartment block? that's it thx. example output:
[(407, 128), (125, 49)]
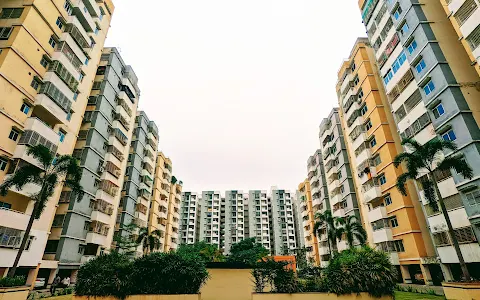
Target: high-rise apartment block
[(223, 221), (49, 51), (395, 223), (430, 87), (306, 221), (190, 218), (173, 216)]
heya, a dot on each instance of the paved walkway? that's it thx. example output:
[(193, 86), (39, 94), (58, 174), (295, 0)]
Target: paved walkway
[(421, 288)]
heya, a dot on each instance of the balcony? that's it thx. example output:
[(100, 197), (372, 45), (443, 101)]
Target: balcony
[(382, 235), (342, 245), (336, 199), (13, 219), (371, 192), (315, 190), (96, 238), (363, 156), (48, 110), (377, 214), (316, 202), (339, 213), (323, 250), (323, 264), (92, 7), (394, 259), (86, 258), (27, 190), (83, 15), (100, 217), (367, 174)]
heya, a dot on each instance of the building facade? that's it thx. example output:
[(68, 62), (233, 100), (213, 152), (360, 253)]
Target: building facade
[(428, 77), (235, 226), (173, 216), (138, 183), (260, 212), (342, 193), (49, 51), (394, 223), (190, 211), (283, 222), (305, 221), (465, 18), (211, 219)]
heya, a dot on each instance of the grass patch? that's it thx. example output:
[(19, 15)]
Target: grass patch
[(64, 297), (415, 296)]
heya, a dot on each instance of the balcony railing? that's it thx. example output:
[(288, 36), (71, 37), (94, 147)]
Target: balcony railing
[(63, 73), (56, 95), (108, 187), (99, 228), (33, 138), (103, 206), (121, 137), (117, 153), (77, 36), (416, 127), (125, 106), (71, 56), (122, 121)]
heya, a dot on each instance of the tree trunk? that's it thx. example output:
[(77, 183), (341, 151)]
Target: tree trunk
[(463, 266), (13, 269)]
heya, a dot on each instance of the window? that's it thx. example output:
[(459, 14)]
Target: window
[(377, 160), (404, 30), (387, 200), (96, 30), (353, 67), (80, 78), (86, 61), (438, 111), (69, 115), (420, 66), (399, 62), (397, 12), (13, 134), (34, 84), (449, 136), (342, 189), (11, 13), (363, 110), (25, 108), (52, 42), (373, 142), (68, 8), (340, 175), (5, 33), (388, 77), (412, 46), (394, 222), (382, 179), (360, 94), (3, 166), (429, 88), (59, 23), (356, 81), (75, 96), (29, 243), (61, 134), (473, 198), (368, 126), (44, 62), (398, 246)]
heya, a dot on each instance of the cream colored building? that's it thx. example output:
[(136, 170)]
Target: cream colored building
[(49, 51)]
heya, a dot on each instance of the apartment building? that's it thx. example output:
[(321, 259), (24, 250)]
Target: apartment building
[(394, 223), (297, 211), (343, 196), (211, 220), (427, 78), (49, 51), (173, 216), (283, 222), (158, 214), (306, 221), (190, 211), (83, 229), (235, 226), (465, 18), (138, 183), (260, 223)]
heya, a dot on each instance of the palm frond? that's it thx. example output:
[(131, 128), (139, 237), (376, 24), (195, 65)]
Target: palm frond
[(458, 164), (412, 144), (42, 154), (401, 181), (405, 156), (24, 175)]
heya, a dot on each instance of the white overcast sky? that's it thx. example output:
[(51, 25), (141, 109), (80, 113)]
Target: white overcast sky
[(237, 88)]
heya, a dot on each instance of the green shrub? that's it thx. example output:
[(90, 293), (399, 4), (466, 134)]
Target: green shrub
[(105, 275), (12, 281), (361, 270), (276, 276), (168, 273)]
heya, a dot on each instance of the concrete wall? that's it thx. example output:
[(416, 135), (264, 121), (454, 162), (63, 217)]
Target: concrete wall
[(315, 296), (232, 284)]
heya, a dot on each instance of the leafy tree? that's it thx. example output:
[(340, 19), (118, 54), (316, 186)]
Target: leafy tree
[(428, 159), (54, 171), (359, 270), (150, 240), (126, 243), (208, 252), (328, 220), (301, 258), (352, 229), (247, 251)]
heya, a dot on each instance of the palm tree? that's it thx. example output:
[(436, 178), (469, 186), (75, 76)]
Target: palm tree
[(150, 240), (53, 172), (328, 220), (212, 254), (352, 229), (428, 159)]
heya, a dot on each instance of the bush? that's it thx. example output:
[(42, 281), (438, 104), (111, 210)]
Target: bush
[(12, 281), (361, 270), (168, 273), (276, 276), (105, 275)]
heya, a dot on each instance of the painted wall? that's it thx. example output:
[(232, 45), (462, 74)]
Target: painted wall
[(231, 284)]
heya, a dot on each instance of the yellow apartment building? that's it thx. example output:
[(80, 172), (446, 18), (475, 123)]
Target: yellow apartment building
[(49, 51), (465, 18), (394, 223), (304, 199), (173, 217)]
